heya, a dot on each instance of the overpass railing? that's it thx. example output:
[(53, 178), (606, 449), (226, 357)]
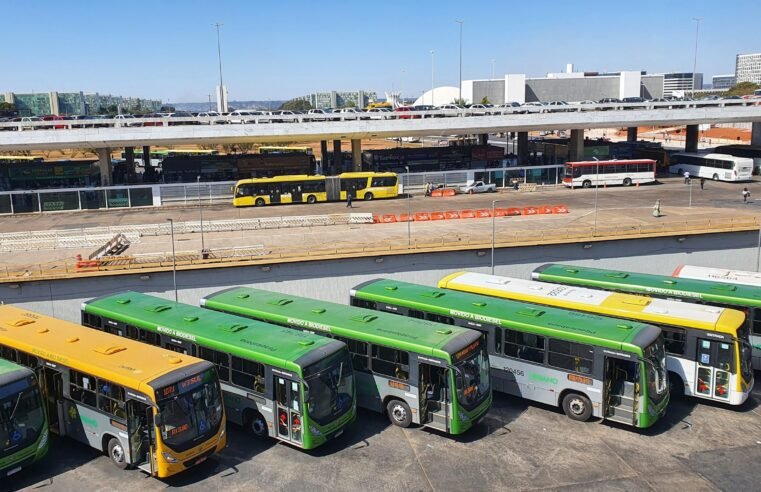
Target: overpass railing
[(220, 192)]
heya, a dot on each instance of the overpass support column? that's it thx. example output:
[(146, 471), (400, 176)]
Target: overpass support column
[(522, 148), (631, 134), (576, 146), (338, 158), (129, 157), (356, 154), (483, 139), (323, 157), (691, 139), (755, 133), (104, 165)]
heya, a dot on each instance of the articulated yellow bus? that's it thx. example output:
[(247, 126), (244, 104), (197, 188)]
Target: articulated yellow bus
[(302, 188), (143, 406)]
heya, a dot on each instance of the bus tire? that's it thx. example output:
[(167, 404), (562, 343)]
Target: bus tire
[(715, 177), (627, 181), (259, 202), (399, 413), (311, 199), (577, 407), (257, 425), (586, 184), (116, 453), (676, 385), (368, 197)]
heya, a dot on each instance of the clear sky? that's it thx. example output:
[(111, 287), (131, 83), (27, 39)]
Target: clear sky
[(281, 49)]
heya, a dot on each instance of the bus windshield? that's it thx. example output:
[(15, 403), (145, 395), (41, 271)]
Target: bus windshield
[(329, 387), (746, 355), (190, 410), (472, 377), (21, 415), (655, 362)]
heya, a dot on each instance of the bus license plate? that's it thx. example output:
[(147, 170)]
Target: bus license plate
[(200, 460), (11, 472)]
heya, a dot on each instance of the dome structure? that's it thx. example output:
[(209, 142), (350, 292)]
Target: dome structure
[(441, 95)]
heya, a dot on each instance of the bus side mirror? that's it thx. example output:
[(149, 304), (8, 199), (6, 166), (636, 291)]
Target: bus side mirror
[(158, 420)]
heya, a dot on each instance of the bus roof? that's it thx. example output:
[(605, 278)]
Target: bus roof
[(20, 158), (643, 283), (641, 308), (718, 275), (10, 372), (713, 155), (242, 337), (87, 350), (282, 179), (607, 332), (364, 174), (415, 335), (613, 161)]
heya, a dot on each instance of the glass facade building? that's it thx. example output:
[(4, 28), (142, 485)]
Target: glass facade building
[(336, 99), (69, 103)]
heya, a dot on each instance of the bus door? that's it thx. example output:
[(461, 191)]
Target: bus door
[(755, 335), (713, 362), (51, 384), (622, 388), (289, 421), (138, 415), (296, 195), (435, 396), (274, 190)]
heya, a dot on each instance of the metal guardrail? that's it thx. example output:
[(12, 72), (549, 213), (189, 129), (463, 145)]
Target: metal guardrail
[(503, 239), (331, 117)]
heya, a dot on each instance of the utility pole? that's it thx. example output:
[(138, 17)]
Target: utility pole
[(461, 23), (222, 104), (695, 59), (432, 79)]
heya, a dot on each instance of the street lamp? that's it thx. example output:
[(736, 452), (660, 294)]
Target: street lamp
[(460, 22), (407, 184), (695, 59), (597, 188), (222, 105), (432, 79), (492, 69), (200, 214), (174, 260), (493, 231)]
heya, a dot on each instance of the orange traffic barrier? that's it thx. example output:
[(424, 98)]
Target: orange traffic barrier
[(405, 218), (452, 214), (559, 209), (529, 211), (544, 209), (514, 211), (436, 193), (437, 216), (422, 216), (388, 218), (500, 212), (448, 192), (88, 265), (467, 214), (376, 219), (483, 213)]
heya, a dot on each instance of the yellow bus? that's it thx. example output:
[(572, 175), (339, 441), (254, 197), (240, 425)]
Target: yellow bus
[(143, 406), (707, 350), (301, 188)]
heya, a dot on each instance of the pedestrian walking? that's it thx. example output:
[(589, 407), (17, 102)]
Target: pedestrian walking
[(348, 199), (686, 177), (702, 182), (746, 195)]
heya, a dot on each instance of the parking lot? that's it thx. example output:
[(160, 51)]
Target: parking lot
[(520, 445)]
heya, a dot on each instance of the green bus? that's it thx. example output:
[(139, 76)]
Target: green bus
[(588, 365), (23, 421), (745, 298), (416, 371), (292, 386)]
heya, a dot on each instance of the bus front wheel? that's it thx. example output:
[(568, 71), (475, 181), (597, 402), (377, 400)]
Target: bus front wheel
[(311, 199), (715, 177), (399, 413), (577, 407), (586, 184), (259, 202), (116, 453), (627, 181), (368, 197)]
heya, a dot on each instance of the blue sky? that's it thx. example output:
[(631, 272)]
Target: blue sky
[(277, 50)]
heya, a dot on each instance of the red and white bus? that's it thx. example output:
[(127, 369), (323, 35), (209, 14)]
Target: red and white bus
[(586, 174)]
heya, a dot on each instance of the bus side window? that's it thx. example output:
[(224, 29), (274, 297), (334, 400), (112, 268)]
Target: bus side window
[(391, 362), (248, 374), (438, 318), (414, 313), (220, 359), (497, 340), (92, 320), (571, 356), (757, 321), (133, 332), (82, 388), (674, 339), (358, 351), (111, 399)]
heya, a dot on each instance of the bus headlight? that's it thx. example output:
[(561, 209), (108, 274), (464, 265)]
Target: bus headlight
[(169, 458), (43, 441), (314, 430)]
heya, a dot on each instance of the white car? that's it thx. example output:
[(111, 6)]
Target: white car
[(380, 113), (479, 187), (353, 114)]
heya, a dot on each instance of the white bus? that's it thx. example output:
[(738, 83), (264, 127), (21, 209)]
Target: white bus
[(718, 167), (741, 277), (586, 174)]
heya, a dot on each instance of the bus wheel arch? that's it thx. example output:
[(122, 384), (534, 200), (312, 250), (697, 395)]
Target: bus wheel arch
[(398, 411), (676, 385), (715, 177), (577, 406), (113, 448), (259, 202), (627, 181), (311, 199), (586, 184), (255, 423)]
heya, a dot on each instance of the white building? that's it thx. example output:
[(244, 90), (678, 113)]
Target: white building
[(748, 68), (720, 82), (681, 82)]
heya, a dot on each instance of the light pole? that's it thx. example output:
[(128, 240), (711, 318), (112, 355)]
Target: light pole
[(492, 69), (758, 255), (690, 185), (432, 78), (461, 23), (493, 231), (407, 184), (221, 85), (200, 214), (174, 260), (695, 59), (209, 102), (597, 188)]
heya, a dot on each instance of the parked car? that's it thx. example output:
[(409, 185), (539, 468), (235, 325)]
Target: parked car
[(284, 116), (534, 107), (380, 113), (558, 107), (210, 118), (242, 116), (480, 109), (353, 114), (25, 122), (320, 115), (126, 120), (406, 112), (479, 187), (182, 114)]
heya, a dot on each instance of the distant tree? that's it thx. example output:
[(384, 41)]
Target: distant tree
[(460, 101), (238, 148), (347, 103), (296, 105), (485, 100), (6, 106), (742, 89)]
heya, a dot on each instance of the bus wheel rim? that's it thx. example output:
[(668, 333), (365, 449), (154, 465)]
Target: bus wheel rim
[(577, 406), (117, 453), (258, 425), (399, 413)]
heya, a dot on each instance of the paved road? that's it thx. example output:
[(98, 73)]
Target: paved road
[(520, 446)]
